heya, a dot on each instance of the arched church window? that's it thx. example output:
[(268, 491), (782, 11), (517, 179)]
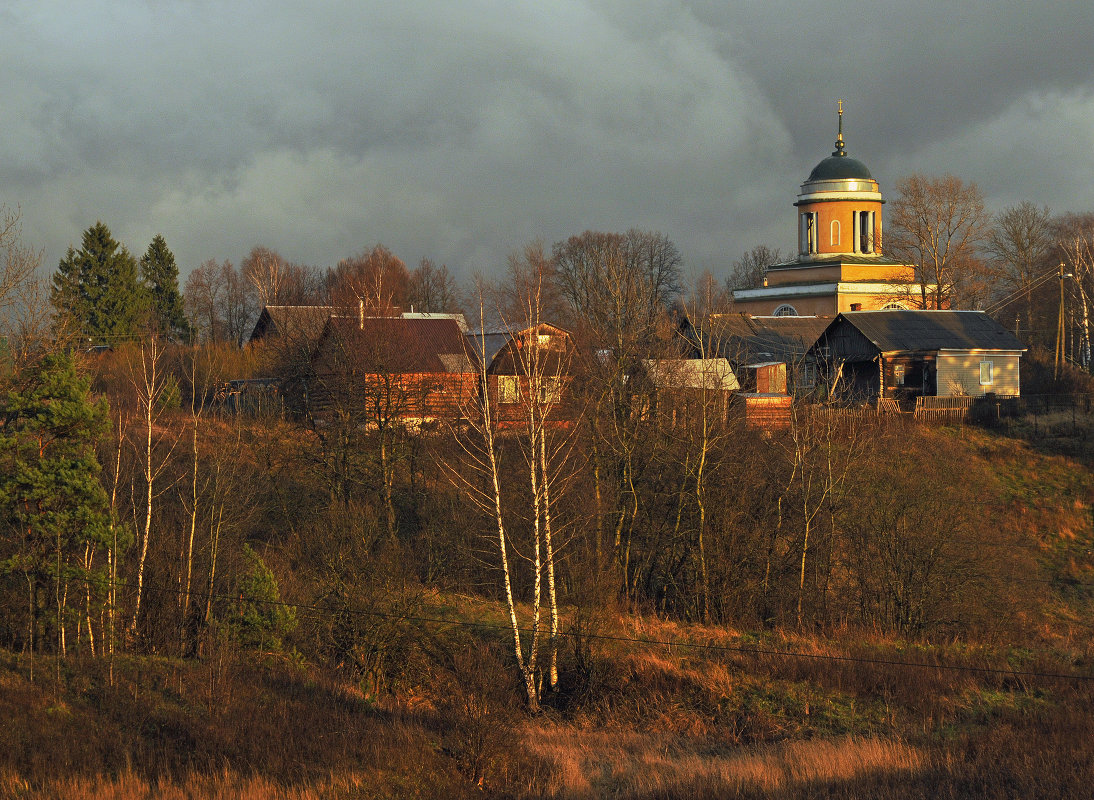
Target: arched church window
[(785, 310), (834, 236), (866, 231), (893, 307), (809, 235)]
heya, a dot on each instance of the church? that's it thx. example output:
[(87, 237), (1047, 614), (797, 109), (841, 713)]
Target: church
[(840, 264)]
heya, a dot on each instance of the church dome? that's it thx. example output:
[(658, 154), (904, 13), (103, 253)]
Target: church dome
[(839, 166)]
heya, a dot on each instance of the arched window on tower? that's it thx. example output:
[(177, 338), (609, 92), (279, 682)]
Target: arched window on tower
[(866, 231), (834, 236), (808, 240)]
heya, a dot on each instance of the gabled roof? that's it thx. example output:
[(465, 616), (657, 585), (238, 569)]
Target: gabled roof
[(487, 345), (743, 338), (401, 345), (930, 330), (294, 321)]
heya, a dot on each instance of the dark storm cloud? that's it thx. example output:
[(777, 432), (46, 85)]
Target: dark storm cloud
[(460, 131)]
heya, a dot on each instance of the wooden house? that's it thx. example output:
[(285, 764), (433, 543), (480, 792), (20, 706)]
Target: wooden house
[(524, 363), (380, 370), (903, 354), (744, 339)]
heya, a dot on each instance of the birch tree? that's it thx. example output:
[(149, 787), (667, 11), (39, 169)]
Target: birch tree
[(149, 382), (483, 475)]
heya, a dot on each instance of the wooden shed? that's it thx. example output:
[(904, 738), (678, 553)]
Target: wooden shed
[(903, 354)]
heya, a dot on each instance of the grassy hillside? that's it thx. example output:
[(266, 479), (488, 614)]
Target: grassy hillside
[(854, 608)]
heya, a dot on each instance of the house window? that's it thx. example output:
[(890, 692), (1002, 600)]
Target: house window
[(508, 388), (550, 389), (808, 377), (785, 310), (834, 235), (986, 373), (898, 374)]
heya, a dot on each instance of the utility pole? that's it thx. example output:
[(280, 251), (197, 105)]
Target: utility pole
[(1060, 326)]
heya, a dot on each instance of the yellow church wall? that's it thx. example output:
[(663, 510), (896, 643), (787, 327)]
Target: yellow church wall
[(798, 275), (830, 241)]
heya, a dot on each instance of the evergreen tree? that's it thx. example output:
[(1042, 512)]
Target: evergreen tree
[(160, 283), (95, 290), (54, 508)]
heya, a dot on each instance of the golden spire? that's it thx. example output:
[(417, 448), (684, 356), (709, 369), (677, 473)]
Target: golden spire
[(839, 135)]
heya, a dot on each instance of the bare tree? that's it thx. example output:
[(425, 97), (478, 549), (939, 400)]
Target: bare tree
[(617, 288), (750, 269), (1076, 247), (1021, 243), (523, 536), (431, 288), (25, 315), (203, 298), (149, 381), (377, 277), (937, 224)]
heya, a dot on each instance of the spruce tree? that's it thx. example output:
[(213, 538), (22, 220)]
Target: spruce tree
[(160, 282), (95, 290), (51, 501)]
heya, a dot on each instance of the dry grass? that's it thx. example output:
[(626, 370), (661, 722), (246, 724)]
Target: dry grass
[(225, 785), (587, 764)]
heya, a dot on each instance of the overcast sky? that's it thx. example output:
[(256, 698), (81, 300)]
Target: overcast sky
[(460, 131)]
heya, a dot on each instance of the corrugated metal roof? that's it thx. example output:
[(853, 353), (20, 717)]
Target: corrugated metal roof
[(743, 338), (931, 330), (293, 321), (405, 345)]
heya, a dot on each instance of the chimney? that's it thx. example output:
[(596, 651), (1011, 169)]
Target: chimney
[(361, 313)]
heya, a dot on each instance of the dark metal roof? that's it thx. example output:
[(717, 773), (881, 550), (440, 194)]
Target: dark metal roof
[(930, 330), (840, 167), (399, 345), (293, 321), (746, 339), (834, 261), (488, 345)]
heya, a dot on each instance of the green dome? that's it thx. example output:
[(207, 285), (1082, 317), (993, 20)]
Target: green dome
[(840, 166)]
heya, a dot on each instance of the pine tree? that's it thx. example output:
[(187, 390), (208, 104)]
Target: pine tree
[(95, 290), (160, 282), (54, 508)]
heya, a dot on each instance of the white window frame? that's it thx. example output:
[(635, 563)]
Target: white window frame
[(989, 367), (785, 310), (834, 233)]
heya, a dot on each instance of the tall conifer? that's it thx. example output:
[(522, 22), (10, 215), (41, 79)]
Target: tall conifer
[(95, 290), (159, 276)]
